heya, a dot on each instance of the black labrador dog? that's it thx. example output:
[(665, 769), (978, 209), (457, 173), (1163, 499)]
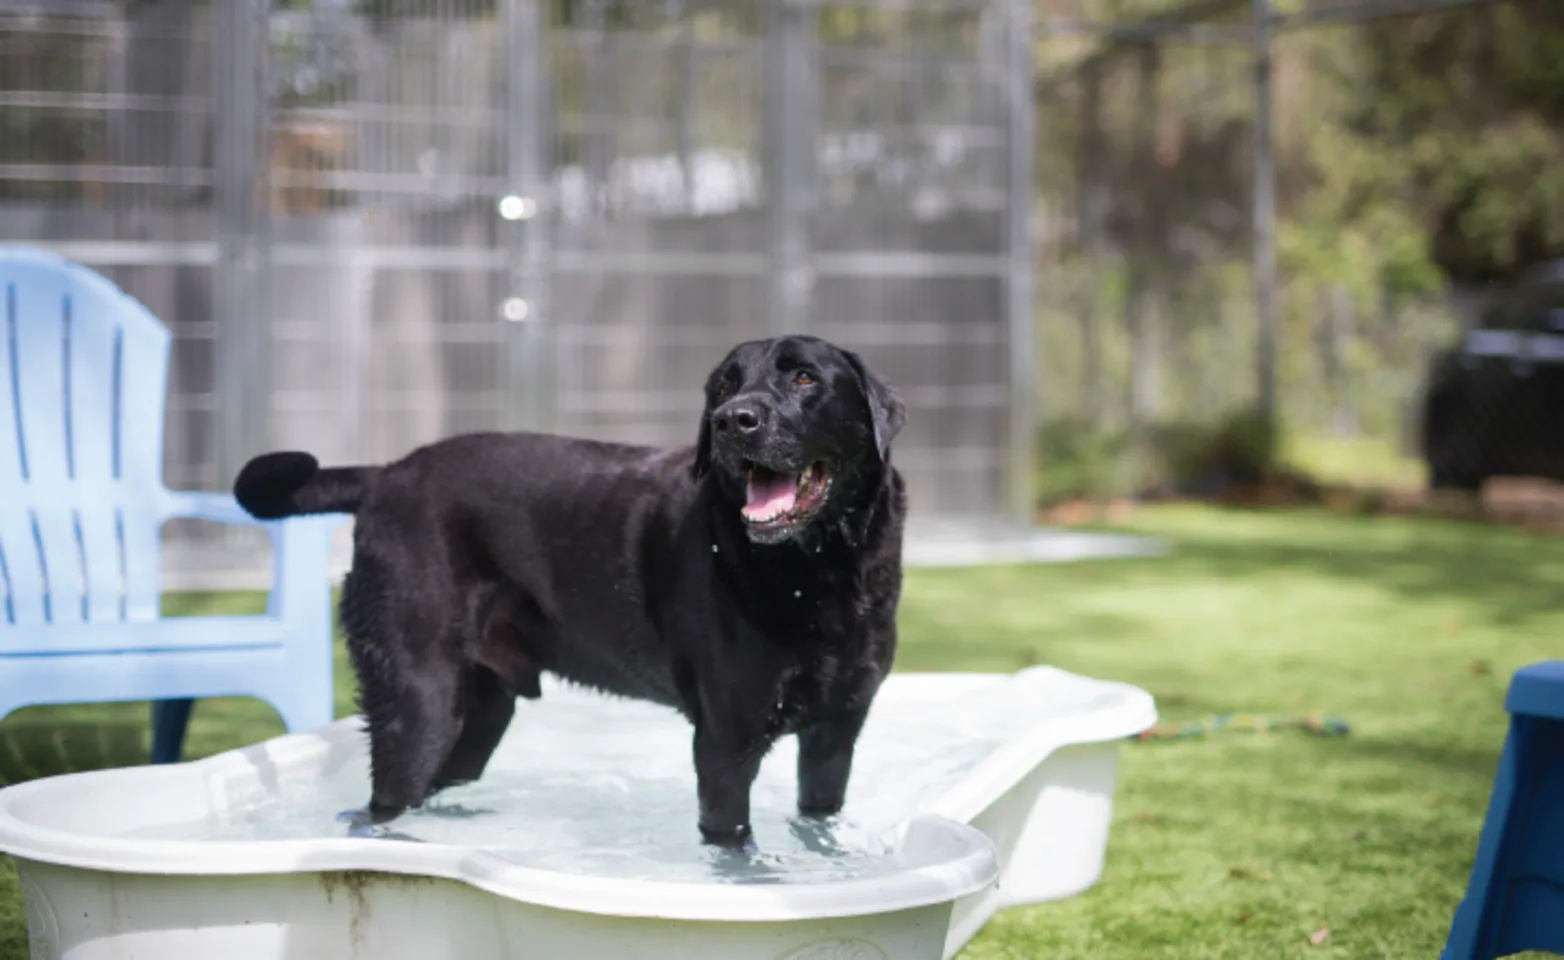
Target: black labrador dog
[(750, 581)]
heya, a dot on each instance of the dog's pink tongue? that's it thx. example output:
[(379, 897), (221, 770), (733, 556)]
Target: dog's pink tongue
[(770, 493)]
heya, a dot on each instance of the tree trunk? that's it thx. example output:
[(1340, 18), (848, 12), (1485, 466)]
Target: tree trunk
[(1093, 223), (1146, 329), (1340, 331), (1145, 269)]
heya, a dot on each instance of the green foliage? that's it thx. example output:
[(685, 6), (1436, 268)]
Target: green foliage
[(1359, 462), (1241, 447), (1448, 126), (1078, 461), (1414, 155)]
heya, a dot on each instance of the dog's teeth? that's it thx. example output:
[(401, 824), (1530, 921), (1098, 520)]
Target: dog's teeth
[(764, 517)]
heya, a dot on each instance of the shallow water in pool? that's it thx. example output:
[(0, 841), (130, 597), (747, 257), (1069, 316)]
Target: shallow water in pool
[(592, 785)]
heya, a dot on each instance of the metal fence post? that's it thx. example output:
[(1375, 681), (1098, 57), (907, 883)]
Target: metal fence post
[(527, 212), (788, 148), (1020, 316), (241, 277), (1264, 218)]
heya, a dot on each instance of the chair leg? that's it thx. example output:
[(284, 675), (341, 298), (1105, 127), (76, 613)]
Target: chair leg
[(301, 710), (169, 719), (1515, 898), (302, 695)]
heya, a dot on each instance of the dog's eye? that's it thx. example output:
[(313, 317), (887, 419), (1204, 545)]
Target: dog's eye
[(722, 392), (803, 378)]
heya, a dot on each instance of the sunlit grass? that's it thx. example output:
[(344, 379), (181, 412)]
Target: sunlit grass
[(1237, 847), (1353, 461)]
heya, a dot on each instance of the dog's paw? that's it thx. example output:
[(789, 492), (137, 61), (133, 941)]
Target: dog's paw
[(816, 834), (740, 838), (819, 810), (360, 822), (362, 825), (454, 811)]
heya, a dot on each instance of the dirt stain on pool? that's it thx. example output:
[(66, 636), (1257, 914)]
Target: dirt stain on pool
[(357, 885)]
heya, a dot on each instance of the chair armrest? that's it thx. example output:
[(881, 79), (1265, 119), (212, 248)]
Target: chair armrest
[(301, 550), (216, 507), (301, 574)]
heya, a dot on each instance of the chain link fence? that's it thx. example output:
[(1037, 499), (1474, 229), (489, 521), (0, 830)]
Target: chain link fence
[(1089, 241), (372, 223)]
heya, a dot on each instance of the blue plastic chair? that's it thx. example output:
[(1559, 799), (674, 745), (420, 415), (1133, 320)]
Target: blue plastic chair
[(83, 372), (1515, 900)]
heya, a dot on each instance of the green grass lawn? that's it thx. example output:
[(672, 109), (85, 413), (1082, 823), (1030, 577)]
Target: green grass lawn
[(1240, 846)]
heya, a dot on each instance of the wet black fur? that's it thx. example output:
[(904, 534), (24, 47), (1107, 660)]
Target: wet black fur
[(482, 560)]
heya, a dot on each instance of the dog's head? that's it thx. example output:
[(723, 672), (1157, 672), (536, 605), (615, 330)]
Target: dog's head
[(792, 427)]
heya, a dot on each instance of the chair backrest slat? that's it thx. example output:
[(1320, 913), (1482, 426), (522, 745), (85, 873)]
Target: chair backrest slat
[(38, 304), (23, 580), (142, 397), (105, 568), (81, 452), (140, 535), (20, 575), (93, 381), (13, 468), (143, 380)]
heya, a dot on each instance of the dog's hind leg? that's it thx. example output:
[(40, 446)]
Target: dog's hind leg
[(489, 707), (410, 673), (410, 746), (504, 671)]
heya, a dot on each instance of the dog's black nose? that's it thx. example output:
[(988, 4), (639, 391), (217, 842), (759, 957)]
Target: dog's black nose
[(743, 418)]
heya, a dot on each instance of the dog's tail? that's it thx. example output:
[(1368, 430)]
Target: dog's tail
[(286, 484)]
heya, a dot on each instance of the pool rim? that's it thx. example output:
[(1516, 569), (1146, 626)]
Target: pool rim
[(944, 823)]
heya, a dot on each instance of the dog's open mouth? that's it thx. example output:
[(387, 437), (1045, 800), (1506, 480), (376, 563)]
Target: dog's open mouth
[(776, 499)]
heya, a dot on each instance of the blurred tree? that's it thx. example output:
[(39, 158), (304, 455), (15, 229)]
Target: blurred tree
[(1464, 113)]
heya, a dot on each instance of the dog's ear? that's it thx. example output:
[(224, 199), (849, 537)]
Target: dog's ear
[(887, 413)]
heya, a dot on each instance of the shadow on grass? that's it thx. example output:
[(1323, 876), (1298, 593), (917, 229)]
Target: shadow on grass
[(1507, 576), (1475, 764), (1388, 764), (934, 639)]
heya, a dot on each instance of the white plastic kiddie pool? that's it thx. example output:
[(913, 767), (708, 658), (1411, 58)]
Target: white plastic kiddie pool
[(970, 792)]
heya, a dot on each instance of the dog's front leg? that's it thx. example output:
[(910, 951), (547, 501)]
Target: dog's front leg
[(825, 760), (725, 769)]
